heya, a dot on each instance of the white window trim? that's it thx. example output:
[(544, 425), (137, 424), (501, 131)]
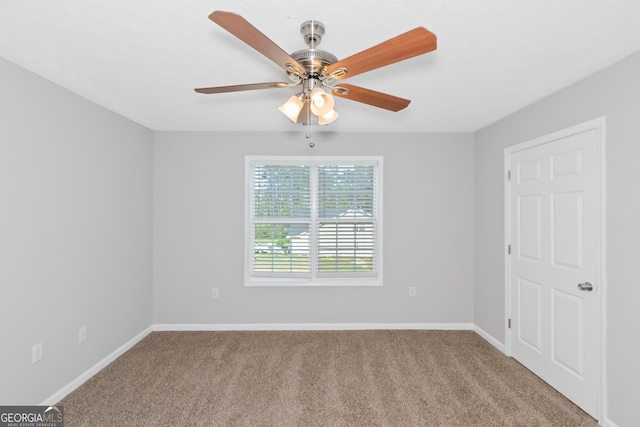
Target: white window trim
[(252, 281)]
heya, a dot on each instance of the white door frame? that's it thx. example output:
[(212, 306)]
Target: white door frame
[(598, 125)]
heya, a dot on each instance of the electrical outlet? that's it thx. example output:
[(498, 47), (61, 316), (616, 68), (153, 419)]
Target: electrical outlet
[(37, 352), (82, 334), (214, 293), (412, 291)]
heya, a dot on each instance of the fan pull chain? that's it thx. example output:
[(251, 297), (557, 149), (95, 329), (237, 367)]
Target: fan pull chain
[(308, 135)]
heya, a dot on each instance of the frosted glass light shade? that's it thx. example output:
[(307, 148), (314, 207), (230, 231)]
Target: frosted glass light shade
[(321, 102), (327, 118), (292, 108)]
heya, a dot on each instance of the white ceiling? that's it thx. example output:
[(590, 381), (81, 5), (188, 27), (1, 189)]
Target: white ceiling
[(142, 58)]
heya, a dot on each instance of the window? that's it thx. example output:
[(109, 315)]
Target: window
[(313, 221)]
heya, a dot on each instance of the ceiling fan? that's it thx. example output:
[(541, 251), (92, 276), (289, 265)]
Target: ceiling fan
[(315, 69)]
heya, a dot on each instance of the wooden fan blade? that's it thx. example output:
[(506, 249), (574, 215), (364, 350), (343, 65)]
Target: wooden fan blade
[(241, 28), (240, 88), (412, 43), (371, 97)]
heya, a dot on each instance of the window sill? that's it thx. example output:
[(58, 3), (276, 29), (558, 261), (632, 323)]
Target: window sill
[(334, 282)]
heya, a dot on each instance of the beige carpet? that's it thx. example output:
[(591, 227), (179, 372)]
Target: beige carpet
[(319, 378)]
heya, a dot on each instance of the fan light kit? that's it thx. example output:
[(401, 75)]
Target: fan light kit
[(315, 70)]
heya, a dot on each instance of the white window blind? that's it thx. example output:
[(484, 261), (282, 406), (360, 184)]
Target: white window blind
[(346, 219), (313, 221), (280, 211)]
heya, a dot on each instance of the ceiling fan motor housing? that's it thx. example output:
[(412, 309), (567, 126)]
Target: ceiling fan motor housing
[(314, 60)]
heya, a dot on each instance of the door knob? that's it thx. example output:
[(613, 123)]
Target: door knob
[(586, 286)]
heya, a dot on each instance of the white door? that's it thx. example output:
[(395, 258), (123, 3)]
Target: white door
[(554, 263)]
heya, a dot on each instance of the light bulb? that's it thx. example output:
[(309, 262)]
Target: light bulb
[(318, 101)]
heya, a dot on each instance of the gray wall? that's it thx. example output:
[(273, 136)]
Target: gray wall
[(199, 231), (614, 93), (75, 234)]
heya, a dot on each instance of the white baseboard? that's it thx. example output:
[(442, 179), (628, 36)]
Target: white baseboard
[(608, 423), (313, 326), (489, 338), (60, 394)]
